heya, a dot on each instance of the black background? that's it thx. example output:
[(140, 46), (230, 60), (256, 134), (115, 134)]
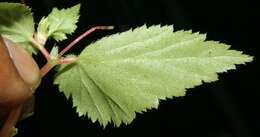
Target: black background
[(226, 108)]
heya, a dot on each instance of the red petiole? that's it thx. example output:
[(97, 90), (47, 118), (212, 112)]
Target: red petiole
[(74, 42), (61, 60)]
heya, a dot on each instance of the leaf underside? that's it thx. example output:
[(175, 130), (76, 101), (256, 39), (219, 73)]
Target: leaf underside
[(131, 72), (16, 24)]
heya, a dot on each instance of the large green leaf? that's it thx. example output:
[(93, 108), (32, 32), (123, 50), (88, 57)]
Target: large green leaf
[(16, 24), (130, 72), (59, 23)]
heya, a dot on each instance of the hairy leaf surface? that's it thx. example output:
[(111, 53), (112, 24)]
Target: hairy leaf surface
[(16, 24), (59, 23), (131, 72)]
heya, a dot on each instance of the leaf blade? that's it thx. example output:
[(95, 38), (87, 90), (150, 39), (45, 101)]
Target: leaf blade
[(17, 24), (59, 23), (129, 74)]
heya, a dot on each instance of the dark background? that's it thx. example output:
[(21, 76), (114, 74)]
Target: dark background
[(226, 108)]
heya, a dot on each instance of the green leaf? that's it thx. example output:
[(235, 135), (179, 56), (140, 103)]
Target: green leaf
[(54, 52), (131, 72), (16, 24), (59, 23)]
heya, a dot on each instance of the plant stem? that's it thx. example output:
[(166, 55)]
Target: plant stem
[(11, 121), (45, 53), (49, 65), (67, 60), (74, 42), (46, 68)]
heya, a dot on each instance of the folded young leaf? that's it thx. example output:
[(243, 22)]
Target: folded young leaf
[(16, 24), (130, 72), (59, 23)]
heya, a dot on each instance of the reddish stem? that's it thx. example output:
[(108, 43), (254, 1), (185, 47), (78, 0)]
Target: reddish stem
[(11, 121), (45, 53), (74, 42), (46, 68), (67, 60)]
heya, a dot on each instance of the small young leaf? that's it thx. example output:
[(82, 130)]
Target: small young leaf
[(59, 23), (16, 24), (54, 52), (130, 72)]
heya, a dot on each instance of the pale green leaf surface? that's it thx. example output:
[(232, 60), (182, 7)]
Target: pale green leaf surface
[(131, 72), (16, 24), (59, 23), (54, 52)]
